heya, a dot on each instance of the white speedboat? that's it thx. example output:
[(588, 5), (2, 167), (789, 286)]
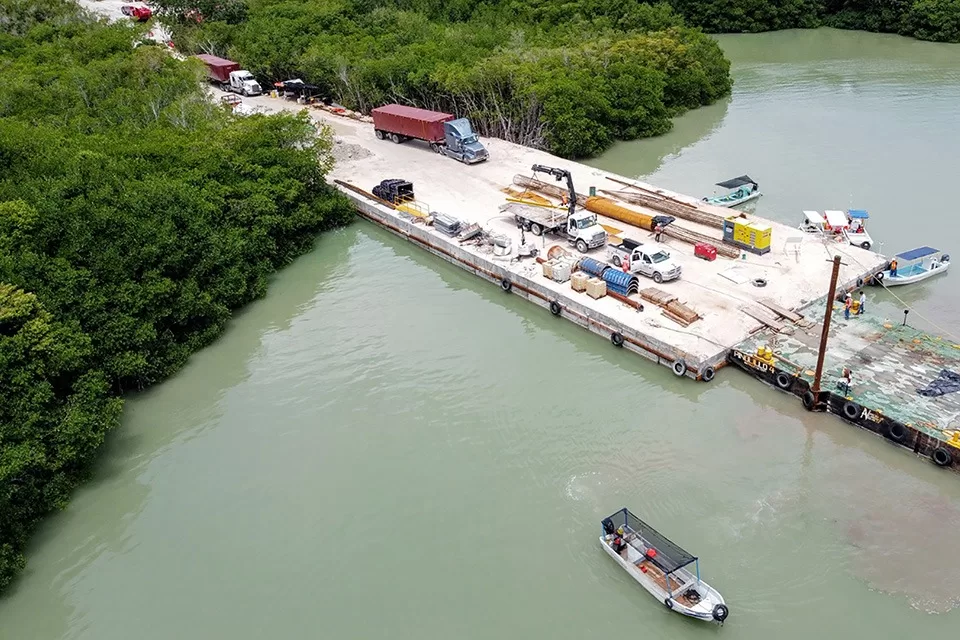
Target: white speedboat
[(661, 567), (915, 265)]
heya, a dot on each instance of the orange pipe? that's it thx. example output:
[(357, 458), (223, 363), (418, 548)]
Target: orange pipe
[(606, 207)]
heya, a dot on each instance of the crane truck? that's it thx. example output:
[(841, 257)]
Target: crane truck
[(579, 228)]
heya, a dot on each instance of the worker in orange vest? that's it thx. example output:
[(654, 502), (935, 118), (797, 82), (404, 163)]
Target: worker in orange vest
[(847, 305), (893, 268)]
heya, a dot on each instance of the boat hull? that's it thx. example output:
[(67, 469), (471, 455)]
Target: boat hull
[(703, 611), (719, 201), (891, 281)]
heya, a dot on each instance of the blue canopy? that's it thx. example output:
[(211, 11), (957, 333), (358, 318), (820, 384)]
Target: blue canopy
[(858, 214), (916, 254)]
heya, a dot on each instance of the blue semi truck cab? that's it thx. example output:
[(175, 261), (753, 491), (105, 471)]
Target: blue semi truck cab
[(461, 143)]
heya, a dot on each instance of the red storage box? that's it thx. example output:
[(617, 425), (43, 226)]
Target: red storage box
[(705, 251)]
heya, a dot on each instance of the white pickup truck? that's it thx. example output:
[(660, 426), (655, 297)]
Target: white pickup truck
[(651, 259)]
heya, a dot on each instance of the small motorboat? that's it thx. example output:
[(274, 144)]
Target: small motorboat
[(661, 567), (742, 189), (856, 230), (846, 227), (913, 266)]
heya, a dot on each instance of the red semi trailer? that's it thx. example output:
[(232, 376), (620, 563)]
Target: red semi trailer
[(397, 121), (445, 133), (218, 69)]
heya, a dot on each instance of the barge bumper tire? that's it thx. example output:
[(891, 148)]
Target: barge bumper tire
[(941, 457), (708, 374), (669, 603), (555, 307), (809, 401), (897, 432), (506, 285), (851, 410), (616, 338), (679, 367), (783, 381)]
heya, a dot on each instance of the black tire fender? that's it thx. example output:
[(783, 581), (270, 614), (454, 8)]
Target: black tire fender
[(851, 410), (941, 457), (879, 277), (616, 338), (555, 307), (679, 367), (897, 432), (809, 401), (783, 380), (720, 613), (506, 285), (708, 374), (668, 602), (759, 282)]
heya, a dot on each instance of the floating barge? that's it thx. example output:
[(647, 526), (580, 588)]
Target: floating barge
[(898, 375)]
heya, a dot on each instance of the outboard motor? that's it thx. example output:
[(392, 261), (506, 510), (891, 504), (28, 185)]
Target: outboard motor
[(720, 613), (608, 526)]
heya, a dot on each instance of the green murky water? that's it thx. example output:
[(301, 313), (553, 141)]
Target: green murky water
[(385, 447)]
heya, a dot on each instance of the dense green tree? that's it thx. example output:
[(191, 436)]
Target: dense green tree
[(924, 19), (526, 71), (135, 215)]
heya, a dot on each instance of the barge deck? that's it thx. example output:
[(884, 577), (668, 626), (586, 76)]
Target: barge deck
[(891, 364)]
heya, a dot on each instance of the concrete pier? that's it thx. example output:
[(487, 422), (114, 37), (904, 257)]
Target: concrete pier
[(794, 274)]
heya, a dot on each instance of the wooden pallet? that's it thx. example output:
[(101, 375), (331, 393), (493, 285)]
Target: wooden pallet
[(764, 316), (657, 296), (786, 313)]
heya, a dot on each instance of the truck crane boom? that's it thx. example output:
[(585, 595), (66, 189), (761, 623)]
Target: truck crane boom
[(560, 174)]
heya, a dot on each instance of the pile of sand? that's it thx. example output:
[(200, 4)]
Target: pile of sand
[(346, 152)]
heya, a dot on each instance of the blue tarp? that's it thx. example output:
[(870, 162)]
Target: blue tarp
[(858, 214), (916, 254), (946, 382)]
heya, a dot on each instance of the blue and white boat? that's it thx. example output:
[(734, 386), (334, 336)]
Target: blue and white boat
[(915, 265), (856, 230), (742, 189), (661, 567)]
